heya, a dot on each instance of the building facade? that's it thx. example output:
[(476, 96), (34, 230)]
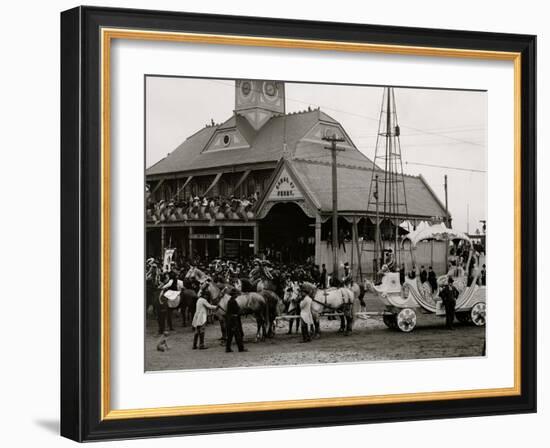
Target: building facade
[(260, 183)]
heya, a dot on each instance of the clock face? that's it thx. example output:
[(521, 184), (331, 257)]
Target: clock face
[(270, 89), (246, 88)]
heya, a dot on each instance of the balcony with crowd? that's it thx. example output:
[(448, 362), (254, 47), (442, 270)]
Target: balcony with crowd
[(217, 208)]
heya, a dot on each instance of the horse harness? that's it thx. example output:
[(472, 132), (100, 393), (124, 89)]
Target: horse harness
[(326, 305)]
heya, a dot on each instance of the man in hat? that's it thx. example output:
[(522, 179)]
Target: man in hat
[(324, 275), (448, 295), (152, 280), (233, 322), (389, 259), (347, 279), (164, 309)]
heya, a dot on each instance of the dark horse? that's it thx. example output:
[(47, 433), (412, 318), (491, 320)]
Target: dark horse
[(188, 302), (249, 303)]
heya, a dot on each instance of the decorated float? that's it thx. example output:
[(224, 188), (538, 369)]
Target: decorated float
[(404, 302)]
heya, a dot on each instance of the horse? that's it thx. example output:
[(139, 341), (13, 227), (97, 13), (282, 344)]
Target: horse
[(188, 303), (249, 303), (332, 299), (205, 282), (272, 301), (358, 291), (290, 303)]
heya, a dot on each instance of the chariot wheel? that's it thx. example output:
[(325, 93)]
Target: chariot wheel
[(406, 320), (478, 314), (464, 317)]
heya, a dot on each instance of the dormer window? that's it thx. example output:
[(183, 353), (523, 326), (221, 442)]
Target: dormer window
[(331, 133), (226, 140)]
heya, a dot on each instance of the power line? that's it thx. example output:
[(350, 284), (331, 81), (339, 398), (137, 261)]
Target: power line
[(445, 130), (472, 170), (361, 116)]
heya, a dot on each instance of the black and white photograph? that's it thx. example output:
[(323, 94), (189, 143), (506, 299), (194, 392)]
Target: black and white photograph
[(304, 223)]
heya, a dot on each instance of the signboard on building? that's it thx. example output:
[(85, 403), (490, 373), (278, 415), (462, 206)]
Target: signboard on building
[(285, 189), (204, 236)]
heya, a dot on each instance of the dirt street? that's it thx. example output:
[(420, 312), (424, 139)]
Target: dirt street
[(370, 340)]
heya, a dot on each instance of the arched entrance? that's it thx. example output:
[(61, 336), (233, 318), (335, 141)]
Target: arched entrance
[(287, 234)]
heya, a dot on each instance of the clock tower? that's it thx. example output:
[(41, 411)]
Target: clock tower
[(258, 100)]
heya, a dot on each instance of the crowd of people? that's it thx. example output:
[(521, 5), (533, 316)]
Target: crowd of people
[(163, 281), (201, 207)]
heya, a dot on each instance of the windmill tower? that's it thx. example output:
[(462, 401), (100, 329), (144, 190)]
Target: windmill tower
[(387, 192)]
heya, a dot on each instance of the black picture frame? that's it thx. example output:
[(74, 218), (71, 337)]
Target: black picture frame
[(81, 224)]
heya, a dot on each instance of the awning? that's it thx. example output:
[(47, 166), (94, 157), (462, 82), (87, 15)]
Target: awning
[(436, 232)]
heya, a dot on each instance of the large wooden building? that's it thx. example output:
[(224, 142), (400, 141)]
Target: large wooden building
[(278, 163)]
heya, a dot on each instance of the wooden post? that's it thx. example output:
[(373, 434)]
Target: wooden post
[(256, 238), (318, 239), (447, 224), (352, 246), (355, 240), (333, 148), (220, 242), (190, 244), (162, 240)]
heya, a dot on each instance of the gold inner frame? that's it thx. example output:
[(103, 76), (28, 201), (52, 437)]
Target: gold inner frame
[(107, 35)]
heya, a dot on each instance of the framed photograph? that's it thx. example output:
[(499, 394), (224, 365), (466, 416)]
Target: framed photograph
[(277, 224)]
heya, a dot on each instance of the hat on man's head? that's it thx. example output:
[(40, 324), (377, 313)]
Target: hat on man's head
[(233, 292)]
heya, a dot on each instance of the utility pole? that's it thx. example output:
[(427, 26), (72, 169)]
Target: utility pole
[(333, 148), (377, 236), (447, 224), (468, 219), (446, 204)]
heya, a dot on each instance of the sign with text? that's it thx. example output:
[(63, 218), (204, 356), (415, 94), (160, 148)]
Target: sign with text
[(285, 189), (204, 236)]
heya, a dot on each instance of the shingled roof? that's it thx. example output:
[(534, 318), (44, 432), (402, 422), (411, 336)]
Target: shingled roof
[(266, 145), (307, 156), (353, 189)]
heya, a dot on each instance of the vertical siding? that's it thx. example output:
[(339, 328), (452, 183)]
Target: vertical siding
[(423, 256)]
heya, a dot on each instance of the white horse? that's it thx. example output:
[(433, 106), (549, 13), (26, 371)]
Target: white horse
[(338, 300)]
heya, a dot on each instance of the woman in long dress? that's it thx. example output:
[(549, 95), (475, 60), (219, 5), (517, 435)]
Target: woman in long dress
[(200, 317), (306, 317)]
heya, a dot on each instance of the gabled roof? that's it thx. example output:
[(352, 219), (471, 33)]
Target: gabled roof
[(266, 145), (353, 189)]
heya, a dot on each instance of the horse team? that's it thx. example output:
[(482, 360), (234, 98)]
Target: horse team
[(267, 299)]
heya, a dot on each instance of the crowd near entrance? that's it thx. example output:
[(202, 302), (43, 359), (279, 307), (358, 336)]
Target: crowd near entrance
[(287, 234)]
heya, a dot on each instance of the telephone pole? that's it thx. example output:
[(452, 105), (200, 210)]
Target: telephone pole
[(446, 203), (333, 140), (377, 244)]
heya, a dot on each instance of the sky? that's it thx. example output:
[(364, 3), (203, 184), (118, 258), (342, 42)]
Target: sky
[(442, 131)]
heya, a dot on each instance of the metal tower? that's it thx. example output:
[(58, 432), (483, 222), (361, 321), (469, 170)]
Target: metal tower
[(387, 191)]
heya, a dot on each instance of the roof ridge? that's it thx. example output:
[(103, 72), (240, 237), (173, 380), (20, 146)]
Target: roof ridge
[(207, 126), (348, 165)]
